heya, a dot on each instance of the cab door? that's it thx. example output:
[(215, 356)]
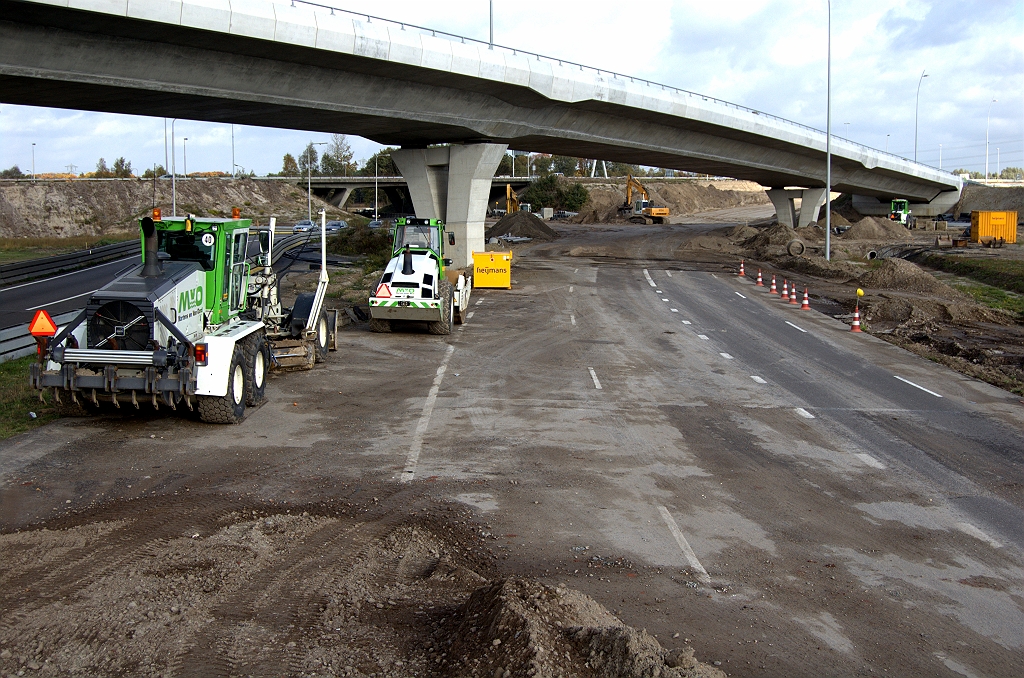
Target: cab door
[(236, 271)]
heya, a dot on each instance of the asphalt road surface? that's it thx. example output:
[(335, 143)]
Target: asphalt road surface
[(798, 500)]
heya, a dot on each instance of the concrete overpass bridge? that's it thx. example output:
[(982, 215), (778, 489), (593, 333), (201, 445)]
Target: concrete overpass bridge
[(337, 190), (306, 66)]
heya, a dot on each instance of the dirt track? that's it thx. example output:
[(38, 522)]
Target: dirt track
[(151, 544)]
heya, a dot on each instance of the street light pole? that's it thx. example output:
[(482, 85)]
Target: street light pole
[(309, 178), (375, 172), (917, 107), (184, 155), (886, 143), (491, 44), (828, 142), (988, 121), (33, 160), (232, 151), (174, 173), (940, 156)]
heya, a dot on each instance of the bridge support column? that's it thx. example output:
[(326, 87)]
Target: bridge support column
[(811, 200), (340, 197), (452, 183)]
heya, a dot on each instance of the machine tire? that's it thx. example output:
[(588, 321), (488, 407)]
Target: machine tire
[(380, 325), (444, 325), (257, 365), (322, 339), (229, 408)]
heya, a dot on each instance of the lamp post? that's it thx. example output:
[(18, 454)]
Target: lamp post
[(375, 173), (33, 160), (886, 143), (309, 178), (917, 107), (988, 121), (491, 44), (184, 155), (940, 156), (174, 173), (828, 142), (846, 130), (232, 151)]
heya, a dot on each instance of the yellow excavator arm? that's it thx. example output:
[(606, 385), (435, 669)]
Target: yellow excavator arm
[(511, 200), (634, 185)]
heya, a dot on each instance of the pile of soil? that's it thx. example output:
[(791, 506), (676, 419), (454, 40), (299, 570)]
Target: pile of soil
[(811, 233), (903, 276), (843, 206), (841, 271), (346, 590), (877, 229), (523, 225), (681, 197), (66, 208), (978, 197), (771, 240)]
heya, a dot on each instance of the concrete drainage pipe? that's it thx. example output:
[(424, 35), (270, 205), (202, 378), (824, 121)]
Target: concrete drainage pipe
[(795, 247)]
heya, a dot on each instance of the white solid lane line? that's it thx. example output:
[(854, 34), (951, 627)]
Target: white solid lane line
[(967, 528), (870, 461), (572, 319), (60, 301), (804, 413), (593, 375), (726, 356), (905, 381), (686, 322), (740, 295), (703, 336), (758, 379), (684, 546), (649, 279), (799, 328), (413, 458), (63, 275)]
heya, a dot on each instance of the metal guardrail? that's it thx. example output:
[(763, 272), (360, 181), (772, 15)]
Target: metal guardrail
[(16, 342), (40, 268)]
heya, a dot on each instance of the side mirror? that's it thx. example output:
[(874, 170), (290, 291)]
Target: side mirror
[(447, 262), (451, 238)]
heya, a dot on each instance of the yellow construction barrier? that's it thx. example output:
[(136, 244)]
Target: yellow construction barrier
[(492, 269)]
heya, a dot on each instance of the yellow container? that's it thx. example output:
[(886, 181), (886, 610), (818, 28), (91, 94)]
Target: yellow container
[(986, 225), (492, 269)]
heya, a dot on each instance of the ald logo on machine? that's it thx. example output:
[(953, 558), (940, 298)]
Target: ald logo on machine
[(190, 303)]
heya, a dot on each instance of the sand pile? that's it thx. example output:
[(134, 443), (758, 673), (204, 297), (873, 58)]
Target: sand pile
[(818, 267), (903, 276), (877, 228), (843, 206), (521, 627), (771, 239), (977, 197), (811, 233), (523, 225), (681, 197)]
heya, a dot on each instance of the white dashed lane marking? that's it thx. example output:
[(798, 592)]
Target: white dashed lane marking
[(703, 336), (650, 281), (668, 273), (469, 316), (686, 322), (740, 295), (674, 310), (804, 413), (870, 461), (572, 319), (907, 381), (570, 289), (799, 328), (967, 528), (758, 379), (593, 375), (726, 356)]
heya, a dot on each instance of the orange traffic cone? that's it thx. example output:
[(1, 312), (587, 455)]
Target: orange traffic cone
[(792, 294), (806, 306), (855, 327), (760, 283), (742, 272), (773, 289), (785, 289)]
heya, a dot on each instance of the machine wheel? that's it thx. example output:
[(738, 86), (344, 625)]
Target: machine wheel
[(257, 364), (323, 339), (379, 325), (444, 325), (229, 408)]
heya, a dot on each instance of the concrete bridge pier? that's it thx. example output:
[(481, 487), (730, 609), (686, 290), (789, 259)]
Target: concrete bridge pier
[(340, 196), (452, 183), (811, 200)]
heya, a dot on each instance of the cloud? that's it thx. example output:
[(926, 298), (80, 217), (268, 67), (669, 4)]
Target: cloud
[(769, 55)]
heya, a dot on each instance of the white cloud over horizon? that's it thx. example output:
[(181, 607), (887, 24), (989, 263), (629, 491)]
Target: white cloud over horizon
[(765, 54)]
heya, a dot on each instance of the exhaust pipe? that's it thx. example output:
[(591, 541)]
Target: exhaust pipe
[(407, 262), (151, 263)]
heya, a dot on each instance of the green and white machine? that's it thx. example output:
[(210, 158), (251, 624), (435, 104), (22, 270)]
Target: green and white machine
[(414, 285), (899, 211), (198, 323)]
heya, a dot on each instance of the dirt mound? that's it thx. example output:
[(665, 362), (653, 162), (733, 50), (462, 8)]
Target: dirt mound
[(680, 196), (771, 240), (878, 229), (903, 276), (818, 267), (843, 206), (523, 627), (915, 312), (977, 197), (811, 233), (523, 225), (65, 208)]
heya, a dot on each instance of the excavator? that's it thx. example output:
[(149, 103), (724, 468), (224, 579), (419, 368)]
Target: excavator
[(642, 210), (511, 200)]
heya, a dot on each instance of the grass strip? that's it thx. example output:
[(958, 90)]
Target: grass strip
[(1007, 274), (21, 249), (17, 399)]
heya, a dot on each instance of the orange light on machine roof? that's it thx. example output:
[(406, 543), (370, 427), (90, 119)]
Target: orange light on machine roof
[(156, 214), (236, 213)]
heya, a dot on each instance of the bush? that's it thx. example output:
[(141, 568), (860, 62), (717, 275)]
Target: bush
[(372, 243), (556, 192)]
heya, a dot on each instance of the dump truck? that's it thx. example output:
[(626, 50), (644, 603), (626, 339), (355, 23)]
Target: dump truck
[(641, 210), (198, 323), (415, 285)]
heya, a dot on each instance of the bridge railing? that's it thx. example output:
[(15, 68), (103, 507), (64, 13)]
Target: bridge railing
[(583, 67)]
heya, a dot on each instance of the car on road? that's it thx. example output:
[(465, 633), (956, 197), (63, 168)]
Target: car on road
[(376, 223), (333, 226), (304, 226)]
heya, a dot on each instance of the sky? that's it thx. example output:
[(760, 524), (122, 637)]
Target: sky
[(769, 55)]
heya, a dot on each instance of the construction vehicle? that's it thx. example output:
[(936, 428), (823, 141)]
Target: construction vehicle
[(641, 210), (415, 285), (899, 211), (199, 322)]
